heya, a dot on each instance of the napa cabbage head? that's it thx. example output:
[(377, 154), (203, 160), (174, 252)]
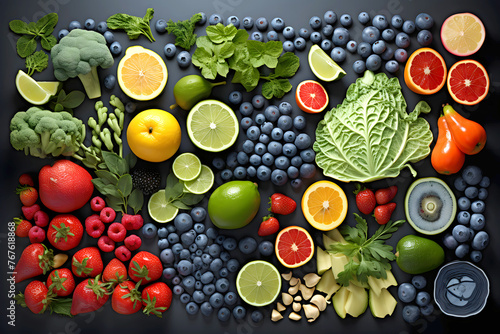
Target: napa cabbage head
[(370, 136)]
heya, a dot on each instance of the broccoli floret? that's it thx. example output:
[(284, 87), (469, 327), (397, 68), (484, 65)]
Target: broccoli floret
[(43, 133), (77, 55)]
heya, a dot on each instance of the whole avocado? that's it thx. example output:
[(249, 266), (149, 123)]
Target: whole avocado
[(417, 255), (191, 89), (234, 204)]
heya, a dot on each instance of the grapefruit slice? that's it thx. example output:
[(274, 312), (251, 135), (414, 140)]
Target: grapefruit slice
[(468, 82), (425, 71), (294, 246), (324, 205), (462, 34), (311, 96)]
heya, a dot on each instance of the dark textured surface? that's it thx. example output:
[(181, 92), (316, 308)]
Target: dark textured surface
[(296, 14)]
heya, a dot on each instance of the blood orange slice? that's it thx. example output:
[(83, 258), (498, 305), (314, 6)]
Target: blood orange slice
[(468, 82), (311, 96), (294, 246), (425, 71), (462, 34)]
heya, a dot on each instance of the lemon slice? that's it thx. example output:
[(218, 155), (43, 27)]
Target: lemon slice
[(212, 126), (32, 91), (142, 73), (202, 183), (258, 283), (51, 87), (186, 166), (159, 209), (323, 67)]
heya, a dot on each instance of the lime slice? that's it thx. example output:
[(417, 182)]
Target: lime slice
[(202, 183), (186, 166), (258, 283), (159, 209), (323, 67), (212, 126), (51, 87), (30, 90)]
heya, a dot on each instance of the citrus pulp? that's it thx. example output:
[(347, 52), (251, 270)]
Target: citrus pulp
[(294, 246)]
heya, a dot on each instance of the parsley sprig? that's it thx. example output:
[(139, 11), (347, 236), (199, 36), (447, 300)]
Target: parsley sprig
[(367, 256)]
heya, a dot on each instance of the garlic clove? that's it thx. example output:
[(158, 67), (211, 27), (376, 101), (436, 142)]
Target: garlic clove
[(286, 298), (280, 307), (319, 301), (296, 306), (276, 316), (294, 289), (287, 276), (294, 316), (311, 279), (294, 281), (306, 292), (311, 312)]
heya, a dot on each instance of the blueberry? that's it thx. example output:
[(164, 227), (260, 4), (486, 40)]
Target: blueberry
[(264, 138), (169, 273), (187, 238), (424, 37), (62, 33), (232, 159), (296, 161), (149, 230), (424, 21), (272, 35), (185, 298), (379, 47), (307, 170), (316, 37), (255, 160), (327, 30), (485, 182), (292, 172), (110, 81), (163, 243), (373, 62), (480, 241), (251, 171), (401, 55), (74, 25), (402, 40), (260, 148), (299, 43), (289, 32), (183, 222), (216, 299), (296, 183), (115, 48), (419, 282), (409, 27), (202, 20), (482, 194), (288, 46), (359, 66), (161, 26), (282, 162), (247, 22), (364, 50), (308, 155), (477, 206), (169, 50), (277, 134), (330, 17), (198, 296), (229, 244), (388, 35), (266, 248), (178, 290), (406, 292), (477, 221), (192, 308), (266, 127), (184, 267), (258, 101), (345, 20), (340, 36), (363, 18), (397, 21), (173, 238), (303, 141), (214, 250), (177, 248), (261, 23), (476, 256), (235, 97), (234, 20), (352, 46), (271, 113), (184, 59), (226, 174), (253, 133), (315, 22), (278, 23), (263, 173), (230, 298), (256, 316), (102, 27), (279, 177), (460, 233), (163, 232), (247, 245), (472, 175), (462, 250), (246, 109), (239, 312), (233, 265), (299, 122), (268, 159), (211, 233), (304, 33), (109, 37), (89, 24), (450, 242), (380, 22), (463, 217), (285, 122), (463, 203), (289, 137), (423, 298), (460, 184), (176, 280), (257, 36), (411, 313), (338, 54), (392, 66), (242, 158), (471, 192), (427, 309), (326, 45), (214, 19), (370, 34)]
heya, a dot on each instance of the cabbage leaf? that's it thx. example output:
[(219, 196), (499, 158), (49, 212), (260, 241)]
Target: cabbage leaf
[(370, 136)]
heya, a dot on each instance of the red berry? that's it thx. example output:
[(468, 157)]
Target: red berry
[(36, 234), (384, 212), (28, 195), (117, 232), (384, 196), (23, 227), (269, 225), (281, 204), (107, 215), (106, 244), (365, 200), (41, 218), (132, 222), (29, 211), (94, 226), (132, 242), (123, 254), (26, 180), (97, 204)]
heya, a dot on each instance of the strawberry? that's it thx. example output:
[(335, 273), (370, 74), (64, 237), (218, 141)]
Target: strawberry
[(384, 212), (145, 267), (87, 262), (269, 225), (385, 195), (115, 272), (156, 298), (365, 200), (61, 282), (26, 180), (35, 297), (126, 298), (281, 204), (35, 260), (29, 211), (89, 295), (36, 234), (27, 194), (22, 227), (65, 232)]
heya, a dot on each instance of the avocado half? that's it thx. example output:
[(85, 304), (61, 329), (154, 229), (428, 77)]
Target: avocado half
[(430, 205)]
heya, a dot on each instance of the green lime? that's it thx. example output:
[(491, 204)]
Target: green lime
[(32, 92), (258, 283), (212, 126), (186, 166), (202, 183), (323, 67), (159, 209)]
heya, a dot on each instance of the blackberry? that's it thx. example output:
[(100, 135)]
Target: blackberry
[(147, 180)]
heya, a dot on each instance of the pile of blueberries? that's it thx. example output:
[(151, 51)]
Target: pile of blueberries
[(418, 301), (468, 236), (275, 147), (198, 262)]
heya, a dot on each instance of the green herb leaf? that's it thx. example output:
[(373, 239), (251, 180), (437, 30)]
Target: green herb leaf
[(276, 88), (134, 26), (184, 31), (125, 184), (106, 176), (37, 61), (115, 163), (288, 65), (219, 33), (191, 199), (180, 205), (26, 45), (43, 28), (261, 53), (136, 200)]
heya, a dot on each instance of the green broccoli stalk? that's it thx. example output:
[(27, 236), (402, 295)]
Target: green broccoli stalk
[(78, 54)]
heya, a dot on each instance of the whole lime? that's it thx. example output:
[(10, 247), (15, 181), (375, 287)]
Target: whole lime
[(234, 204), (417, 255)]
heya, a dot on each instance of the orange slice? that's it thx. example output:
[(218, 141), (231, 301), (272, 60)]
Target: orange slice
[(324, 205), (294, 246), (311, 96), (142, 73), (462, 34), (425, 71), (468, 82)]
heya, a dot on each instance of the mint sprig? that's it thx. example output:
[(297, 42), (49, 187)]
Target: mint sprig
[(176, 195)]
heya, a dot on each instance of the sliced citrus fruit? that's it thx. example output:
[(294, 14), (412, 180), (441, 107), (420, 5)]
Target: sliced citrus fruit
[(311, 96), (468, 82), (462, 34), (258, 283), (324, 205), (186, 166), (159, 209), (323, 67), (142, 73), (425, 71), (212, 126), (202, 183), (294, 246), (51, 87), (31, 90)]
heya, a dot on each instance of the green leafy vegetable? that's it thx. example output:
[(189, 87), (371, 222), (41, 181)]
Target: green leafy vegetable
[(37, 61), (30, 32), (67, 102), (176, 195), (134, 26), (370, 135), (184, 31), (367, 256)]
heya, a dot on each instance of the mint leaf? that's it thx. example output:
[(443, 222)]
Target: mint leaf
[(276, 88), (261, 53), (288, 64), (204, 59), (37, 61), (220, 33)]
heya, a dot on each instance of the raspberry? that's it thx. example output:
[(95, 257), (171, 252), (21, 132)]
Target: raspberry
[(132, 222), (132, 242), (123, 253), (26, 180), (106, 244), (117, 232), (94, 226), (41, 218), (36, 234), (97, 204), (29, 211), (107, 215)]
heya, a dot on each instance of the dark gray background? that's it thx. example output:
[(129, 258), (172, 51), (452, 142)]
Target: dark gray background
[(297, 14)]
